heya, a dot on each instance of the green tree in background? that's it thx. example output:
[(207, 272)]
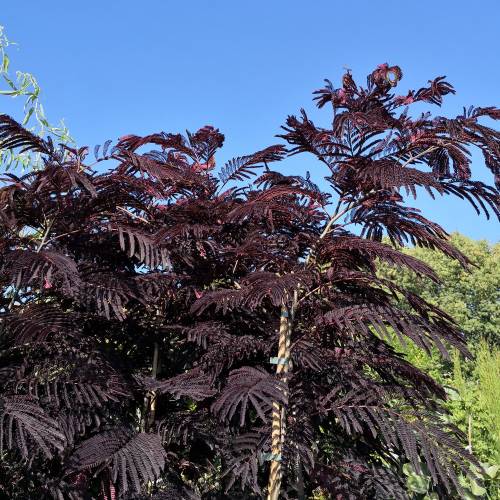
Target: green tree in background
[(473, 386), (25, 87), (473, 298)]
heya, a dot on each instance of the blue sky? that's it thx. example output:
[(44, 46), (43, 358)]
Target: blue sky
[(119, 67)]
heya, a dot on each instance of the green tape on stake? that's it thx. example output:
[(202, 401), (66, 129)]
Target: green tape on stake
[(274, 457), (278, 361)]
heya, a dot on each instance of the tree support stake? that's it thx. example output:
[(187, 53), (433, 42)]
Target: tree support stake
[(278, 429)]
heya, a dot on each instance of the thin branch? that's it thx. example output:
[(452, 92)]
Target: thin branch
[(335, 217), (419, 155), (63, 235), (132, 214), (49, 226), (309, 293)]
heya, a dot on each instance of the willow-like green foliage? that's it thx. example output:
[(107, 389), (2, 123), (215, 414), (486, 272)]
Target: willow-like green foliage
[(25, 86), (474, 403), (473, 386)]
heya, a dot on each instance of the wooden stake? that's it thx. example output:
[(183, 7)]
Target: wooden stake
[(279, 411)]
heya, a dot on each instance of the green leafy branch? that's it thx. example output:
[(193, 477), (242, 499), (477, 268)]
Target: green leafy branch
[(25, 85)]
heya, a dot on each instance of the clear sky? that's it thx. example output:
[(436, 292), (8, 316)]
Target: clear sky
[(112, 68)]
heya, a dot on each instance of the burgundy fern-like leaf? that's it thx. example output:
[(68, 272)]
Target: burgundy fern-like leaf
[(242, 167), (23, 268), (143, 246), (132, 458), (37, 322), (387, 174), (25, 426), (108, 294), (254, 290), (352, 245), (193, 384), (13, 136), (249, 385), (243, 466)]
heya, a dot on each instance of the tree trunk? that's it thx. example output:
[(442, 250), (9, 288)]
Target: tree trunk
[(154, 374), (149, 411)]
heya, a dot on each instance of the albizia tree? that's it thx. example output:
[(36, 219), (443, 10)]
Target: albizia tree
[(167, 335)]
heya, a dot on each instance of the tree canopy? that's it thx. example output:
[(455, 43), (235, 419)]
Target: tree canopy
[(144, 308)]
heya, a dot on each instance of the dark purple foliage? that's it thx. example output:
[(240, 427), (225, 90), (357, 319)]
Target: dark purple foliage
[(140, 307)]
